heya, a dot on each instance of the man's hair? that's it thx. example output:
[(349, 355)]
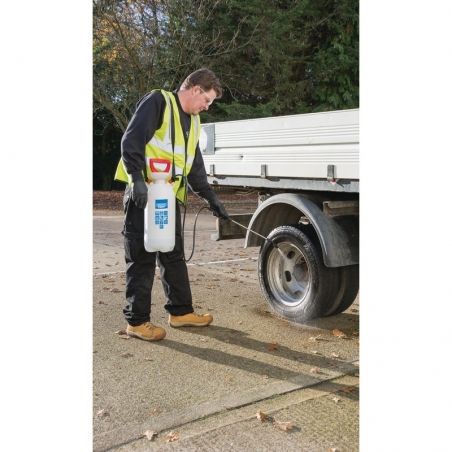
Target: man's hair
[(204, 78)]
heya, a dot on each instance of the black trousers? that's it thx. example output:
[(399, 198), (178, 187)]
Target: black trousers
[(140, 269)]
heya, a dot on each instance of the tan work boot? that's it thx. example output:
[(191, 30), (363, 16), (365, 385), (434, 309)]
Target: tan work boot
[(146, 331), (191, 319)]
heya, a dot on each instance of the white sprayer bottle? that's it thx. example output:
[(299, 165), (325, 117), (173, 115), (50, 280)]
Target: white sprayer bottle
[(160, 211)]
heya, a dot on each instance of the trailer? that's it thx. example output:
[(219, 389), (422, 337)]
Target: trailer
[(305, 168)]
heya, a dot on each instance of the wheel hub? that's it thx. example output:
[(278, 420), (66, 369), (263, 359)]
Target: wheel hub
[(288, 274)]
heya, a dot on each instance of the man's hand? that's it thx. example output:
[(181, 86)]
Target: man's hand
[(218, 209), (215, 204), (139, 191)]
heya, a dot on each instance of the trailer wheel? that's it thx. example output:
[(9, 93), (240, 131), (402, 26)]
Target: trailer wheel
[(293, 278), (348, 289)]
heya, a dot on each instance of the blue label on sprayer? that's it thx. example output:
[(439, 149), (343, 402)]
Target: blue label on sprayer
[(161, 215), (161, 204)]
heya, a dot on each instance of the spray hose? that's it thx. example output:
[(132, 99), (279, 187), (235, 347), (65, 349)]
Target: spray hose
[(230, 219), (194, 234)]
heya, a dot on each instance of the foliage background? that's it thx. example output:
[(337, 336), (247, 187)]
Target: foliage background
[(273, 58)]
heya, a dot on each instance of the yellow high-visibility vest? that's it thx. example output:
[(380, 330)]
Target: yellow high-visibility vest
[(160, 147)]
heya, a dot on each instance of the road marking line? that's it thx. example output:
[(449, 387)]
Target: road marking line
[(222, 262), (194, 263), (107, 216), (109, 273)]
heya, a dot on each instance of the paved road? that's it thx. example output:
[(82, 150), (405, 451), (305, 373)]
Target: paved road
[(206, 385)]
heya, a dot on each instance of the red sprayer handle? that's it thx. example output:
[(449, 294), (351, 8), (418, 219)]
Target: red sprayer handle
[(152, 163)]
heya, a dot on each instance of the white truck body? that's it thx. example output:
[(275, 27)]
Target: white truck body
[(306, 151)]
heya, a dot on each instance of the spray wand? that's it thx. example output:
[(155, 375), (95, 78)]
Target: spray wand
[(230, 219), (261, 236)]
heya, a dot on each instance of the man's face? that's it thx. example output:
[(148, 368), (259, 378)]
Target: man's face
[(200, 100)]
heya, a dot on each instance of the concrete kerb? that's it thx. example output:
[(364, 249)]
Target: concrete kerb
[(134, 431)]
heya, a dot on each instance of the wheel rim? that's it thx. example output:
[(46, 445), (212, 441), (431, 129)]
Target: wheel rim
[(288, 274)]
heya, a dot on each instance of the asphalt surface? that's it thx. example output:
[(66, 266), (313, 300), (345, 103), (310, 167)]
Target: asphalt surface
[(200, 389)]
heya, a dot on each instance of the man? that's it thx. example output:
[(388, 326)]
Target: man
[(148, 135)]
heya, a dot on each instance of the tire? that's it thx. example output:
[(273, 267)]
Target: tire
[(348, 289), (297, 286)]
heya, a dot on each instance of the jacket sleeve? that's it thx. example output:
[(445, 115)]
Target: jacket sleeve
[(146, 120), (197, 178)]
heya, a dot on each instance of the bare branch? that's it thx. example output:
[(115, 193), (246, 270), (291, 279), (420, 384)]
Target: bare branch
[(117, 114)]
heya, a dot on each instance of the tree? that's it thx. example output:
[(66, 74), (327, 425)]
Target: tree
[(142, 44), (273, 58)]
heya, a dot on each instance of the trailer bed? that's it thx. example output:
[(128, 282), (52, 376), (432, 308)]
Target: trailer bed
[(316, 151)]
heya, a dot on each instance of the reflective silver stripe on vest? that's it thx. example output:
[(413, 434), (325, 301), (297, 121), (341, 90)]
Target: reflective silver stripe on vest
[(190, 159), (196, 124), (166, 146), (169, 105), (160, 144)]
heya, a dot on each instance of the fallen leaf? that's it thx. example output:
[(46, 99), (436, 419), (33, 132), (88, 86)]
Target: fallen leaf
[(284, 426), (115, 290), (315, 338), (336, 399), (126, 355), (261, 416), (334, 355), (172, 436), (347, 389), (149, 434), (272, 346), (338, 333), (102, 413), (316, 370), (121, 332), (315, 352)]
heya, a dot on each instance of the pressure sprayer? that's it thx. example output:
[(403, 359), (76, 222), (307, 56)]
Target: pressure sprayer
[(160, 211)]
